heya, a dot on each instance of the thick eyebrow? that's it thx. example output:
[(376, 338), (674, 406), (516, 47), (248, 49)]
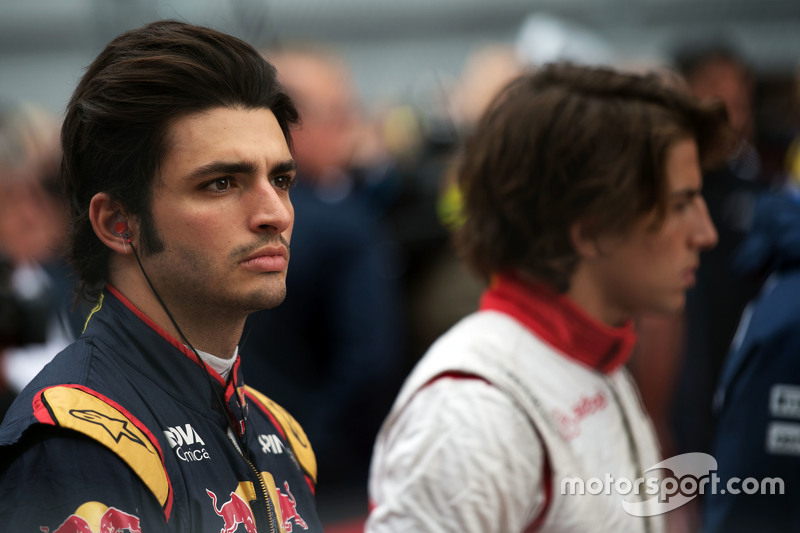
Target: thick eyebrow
[(684, 194), (290, 165), (215, 168)]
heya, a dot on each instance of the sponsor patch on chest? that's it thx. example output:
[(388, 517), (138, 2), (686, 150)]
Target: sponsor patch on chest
[(187, 443), (271, 444), (783, 438), (784, 401), (569, 421)]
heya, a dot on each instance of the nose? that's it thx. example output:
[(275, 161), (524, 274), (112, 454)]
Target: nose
[(271, 209), (704, 235)]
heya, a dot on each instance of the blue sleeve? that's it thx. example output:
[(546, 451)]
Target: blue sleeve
[(57, 477), (758, 437)]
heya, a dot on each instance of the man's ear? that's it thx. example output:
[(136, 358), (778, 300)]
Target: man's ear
[(110, 223), (584, 240)]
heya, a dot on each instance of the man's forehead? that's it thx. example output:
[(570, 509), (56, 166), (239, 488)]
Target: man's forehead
[(224, 129), (683, 166), (224, 116), (231, 135)]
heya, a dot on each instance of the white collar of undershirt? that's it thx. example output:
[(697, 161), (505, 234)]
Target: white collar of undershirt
[(222, 366)]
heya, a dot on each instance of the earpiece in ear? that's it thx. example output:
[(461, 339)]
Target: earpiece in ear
[(121, 229)]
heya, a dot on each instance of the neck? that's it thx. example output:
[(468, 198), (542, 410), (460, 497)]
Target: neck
[(560, 322), (205, 328), (589, 295)]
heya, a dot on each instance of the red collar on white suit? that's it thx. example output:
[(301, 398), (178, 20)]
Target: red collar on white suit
[(559, 322)]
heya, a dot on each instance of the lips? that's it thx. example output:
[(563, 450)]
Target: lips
[(690, 276), (272, 259)]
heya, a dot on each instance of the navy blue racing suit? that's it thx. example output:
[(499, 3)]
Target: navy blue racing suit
[(125, 430)]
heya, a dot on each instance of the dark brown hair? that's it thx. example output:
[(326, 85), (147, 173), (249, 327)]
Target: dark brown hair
[(114, 133), (569, 143)]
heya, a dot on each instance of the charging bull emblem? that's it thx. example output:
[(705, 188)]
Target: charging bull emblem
[(112, 521), (234, 512), (288, 507)]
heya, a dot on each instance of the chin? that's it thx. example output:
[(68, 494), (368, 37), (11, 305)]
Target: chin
[(674, 307), (266, 298)]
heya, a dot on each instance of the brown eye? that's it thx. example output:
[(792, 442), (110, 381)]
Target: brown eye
[(219, 185), (284, 182)]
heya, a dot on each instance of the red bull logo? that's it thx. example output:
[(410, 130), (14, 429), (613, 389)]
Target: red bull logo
[(112, 521), (234, 512), (289, 512)]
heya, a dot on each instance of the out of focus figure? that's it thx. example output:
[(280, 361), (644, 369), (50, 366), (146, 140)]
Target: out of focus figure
[(330, 354), (758, 395), (678, 359), (715, 305), (757, 400), (487, 70), (580, 219), (441, 290), (791, 177), (36, 315)]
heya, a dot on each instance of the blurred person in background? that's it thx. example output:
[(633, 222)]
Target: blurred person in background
[(441, 289), (694, 345), (791, 176), (757, 399), (757, 402), (677, 361), (582, 209), (487, 69), (331, 353), (37, 319)]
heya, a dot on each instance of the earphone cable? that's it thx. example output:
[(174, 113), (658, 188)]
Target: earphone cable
[(240, 438)]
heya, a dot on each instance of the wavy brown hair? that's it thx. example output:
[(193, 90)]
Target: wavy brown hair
[(569, 143), (114, 133)]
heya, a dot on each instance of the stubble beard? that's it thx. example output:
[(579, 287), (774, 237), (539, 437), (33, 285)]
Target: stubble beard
[(182, 280), (271, 296)]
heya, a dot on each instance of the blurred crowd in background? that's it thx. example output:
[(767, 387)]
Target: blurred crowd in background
[(373, 279)]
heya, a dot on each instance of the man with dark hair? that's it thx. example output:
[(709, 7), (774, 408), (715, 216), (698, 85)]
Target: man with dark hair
[(582, 207), (714, 307), (346, 357), (177, 169)]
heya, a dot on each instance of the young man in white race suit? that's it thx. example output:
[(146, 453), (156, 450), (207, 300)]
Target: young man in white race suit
[(582, 206)]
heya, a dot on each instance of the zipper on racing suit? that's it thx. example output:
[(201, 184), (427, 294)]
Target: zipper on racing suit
[(636, 456), (263, 493)]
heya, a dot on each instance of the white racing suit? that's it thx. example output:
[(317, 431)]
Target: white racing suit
[(508, 420)]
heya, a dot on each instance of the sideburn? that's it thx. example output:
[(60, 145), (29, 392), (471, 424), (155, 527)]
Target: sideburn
[(149, 240)]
